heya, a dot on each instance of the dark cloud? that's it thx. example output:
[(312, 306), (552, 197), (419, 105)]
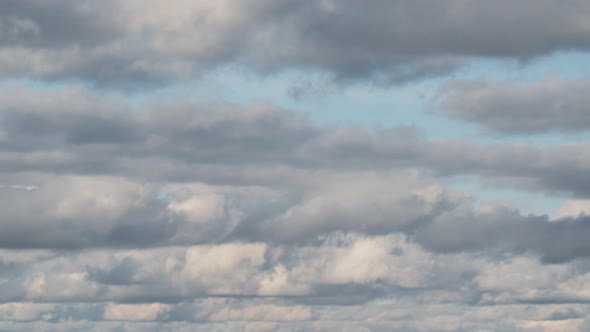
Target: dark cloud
[(56, 24), (520, 108), (563, 314), (122, 274), (509, 231)]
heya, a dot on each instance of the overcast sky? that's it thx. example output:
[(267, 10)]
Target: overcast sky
[(295, 165)]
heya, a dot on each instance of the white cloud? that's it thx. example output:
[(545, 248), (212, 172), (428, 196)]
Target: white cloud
[(134, 312), (573, 209)]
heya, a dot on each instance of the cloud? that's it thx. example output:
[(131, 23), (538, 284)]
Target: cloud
[(573, 208), (256, 144), (507, 230), (564, 314), (137, 312), (373, 203), (352, 272), (188, 289), (265, 174), (550, 105), (140, 212), (74, 212), (155, 43)]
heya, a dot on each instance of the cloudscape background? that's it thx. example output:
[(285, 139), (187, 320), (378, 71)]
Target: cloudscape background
[(295, 165)]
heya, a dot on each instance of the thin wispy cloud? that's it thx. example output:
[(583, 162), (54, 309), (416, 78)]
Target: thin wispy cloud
[(19, 187)]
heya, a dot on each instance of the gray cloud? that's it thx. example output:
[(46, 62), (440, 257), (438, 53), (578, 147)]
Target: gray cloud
[(520, 108), (75, 212), (403, 40), (56, 24), (179, 174), (508, 231), (259, 144), (563, 314)]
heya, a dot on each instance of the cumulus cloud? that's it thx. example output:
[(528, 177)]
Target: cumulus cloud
[(81, 212), (228, 285)]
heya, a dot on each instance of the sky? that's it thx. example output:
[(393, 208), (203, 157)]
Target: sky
[(294, 165)]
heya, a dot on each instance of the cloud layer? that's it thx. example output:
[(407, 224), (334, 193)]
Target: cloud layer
[(143, 214), (153, 43), (127, 204)]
